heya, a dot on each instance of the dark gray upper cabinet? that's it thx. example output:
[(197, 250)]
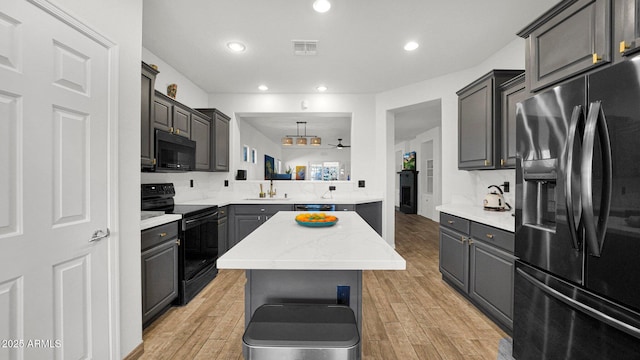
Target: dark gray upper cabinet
[(162, 112), (626, 28), (479, 120), (181, 120), (146, 116), (171, 116), (512, 92), (201, 134), (571, 38), (219, 138)]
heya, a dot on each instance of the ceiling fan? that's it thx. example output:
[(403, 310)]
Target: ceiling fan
[(339, 145)]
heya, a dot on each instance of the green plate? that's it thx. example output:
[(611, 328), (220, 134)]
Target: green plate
[(317, 224)]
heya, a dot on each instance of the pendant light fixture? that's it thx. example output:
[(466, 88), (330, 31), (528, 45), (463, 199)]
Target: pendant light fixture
[(301, 139)]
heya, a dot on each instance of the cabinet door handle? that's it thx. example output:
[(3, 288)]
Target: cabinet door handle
[(163, 234), (596, 58), (154, 162), (470, 241), (624, 46), (463, 239), (501, 162), (450, 221), (486, 163), (178, 242), (490, 236), (177, 131)]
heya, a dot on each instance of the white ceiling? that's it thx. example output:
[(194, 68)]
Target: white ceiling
[(328, 126), (416, 119), (360, 41)]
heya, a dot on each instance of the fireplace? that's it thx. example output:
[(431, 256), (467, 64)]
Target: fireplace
[(408, 191)]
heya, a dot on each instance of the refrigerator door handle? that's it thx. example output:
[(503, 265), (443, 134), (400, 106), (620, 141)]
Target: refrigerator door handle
[(596, 125), (594, 313), (577, 123)]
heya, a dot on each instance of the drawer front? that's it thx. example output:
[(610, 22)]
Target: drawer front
[(455, 223), (262, 209), (496, 237), (159, 234)]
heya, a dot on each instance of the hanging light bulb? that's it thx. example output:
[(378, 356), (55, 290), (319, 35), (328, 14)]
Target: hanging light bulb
[(287, 141), (301, 141)]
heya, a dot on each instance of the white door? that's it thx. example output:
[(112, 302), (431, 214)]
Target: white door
[(55, 284)]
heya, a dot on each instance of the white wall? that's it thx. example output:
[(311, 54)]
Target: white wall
[(263, 145), (457, 186), (188, 93), (364, 165), (126, 32)]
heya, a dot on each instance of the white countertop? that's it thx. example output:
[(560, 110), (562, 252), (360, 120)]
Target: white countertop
[(229, 200), (501, 220), (159, 220), (282, 244)]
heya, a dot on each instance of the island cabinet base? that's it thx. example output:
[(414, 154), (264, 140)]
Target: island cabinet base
[(302, 287)]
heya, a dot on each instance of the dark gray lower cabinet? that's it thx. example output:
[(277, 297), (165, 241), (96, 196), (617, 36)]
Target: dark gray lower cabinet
[(491, 273), (246, 218), (478, 261), (371, 213), (454, 258), (159, 267)]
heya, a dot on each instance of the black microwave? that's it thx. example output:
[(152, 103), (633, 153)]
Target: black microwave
[(174, 152)]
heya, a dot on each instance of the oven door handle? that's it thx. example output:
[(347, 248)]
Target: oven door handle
[(213, 216)]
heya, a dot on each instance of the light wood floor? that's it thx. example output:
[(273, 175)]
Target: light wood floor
[(408, 314)]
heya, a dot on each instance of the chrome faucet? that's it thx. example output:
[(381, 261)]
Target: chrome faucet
[(272, 191)]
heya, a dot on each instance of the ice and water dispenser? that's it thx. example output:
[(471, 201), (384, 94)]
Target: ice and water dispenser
[(539, 193)]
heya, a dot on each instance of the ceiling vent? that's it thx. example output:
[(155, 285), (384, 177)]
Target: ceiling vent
[(305, 47)]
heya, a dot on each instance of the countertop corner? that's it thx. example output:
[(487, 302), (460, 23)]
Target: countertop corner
[(504, 220)]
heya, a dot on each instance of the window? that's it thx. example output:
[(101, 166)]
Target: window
[(325, 171)]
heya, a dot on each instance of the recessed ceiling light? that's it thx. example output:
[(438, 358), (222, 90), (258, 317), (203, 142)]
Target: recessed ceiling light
[(321, 6), (263, 87), (236, 46), (411, 45), (322, 88)]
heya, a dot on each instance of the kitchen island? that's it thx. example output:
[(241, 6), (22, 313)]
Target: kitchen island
[(289, 263)]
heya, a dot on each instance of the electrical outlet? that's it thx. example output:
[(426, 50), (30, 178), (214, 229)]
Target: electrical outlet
[(505, 185), (226, 183), (191, 183), (343, 295), (332, 188), (360, 183)]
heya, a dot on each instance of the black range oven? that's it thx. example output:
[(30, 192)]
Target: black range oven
[(198, 249)]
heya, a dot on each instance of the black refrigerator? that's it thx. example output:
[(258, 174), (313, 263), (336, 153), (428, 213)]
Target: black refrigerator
[(577, 281)]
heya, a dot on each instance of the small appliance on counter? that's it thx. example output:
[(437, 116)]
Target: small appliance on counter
[(494, 201)]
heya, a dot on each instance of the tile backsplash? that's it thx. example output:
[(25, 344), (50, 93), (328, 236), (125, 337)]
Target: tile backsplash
[(484, 179), (211, 185)]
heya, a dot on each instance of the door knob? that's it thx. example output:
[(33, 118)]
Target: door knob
[(99, 235)]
